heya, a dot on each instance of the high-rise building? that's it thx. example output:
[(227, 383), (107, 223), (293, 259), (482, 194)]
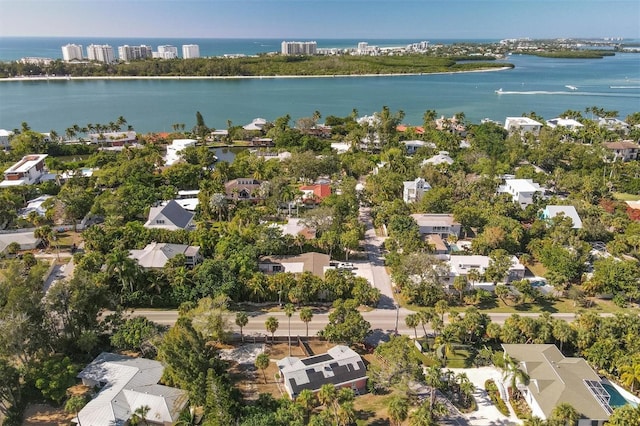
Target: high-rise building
[(190, 51), (72, 52), (101, 53), (299, 47), (129, 53), (166, 52)]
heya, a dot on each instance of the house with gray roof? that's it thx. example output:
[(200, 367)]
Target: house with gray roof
[(341, 366), (126, 384), (156, 255), (555, 379), (551, 211), (171, 216)]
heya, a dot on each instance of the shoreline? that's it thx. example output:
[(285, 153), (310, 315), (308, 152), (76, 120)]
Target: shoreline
[(235, 77)]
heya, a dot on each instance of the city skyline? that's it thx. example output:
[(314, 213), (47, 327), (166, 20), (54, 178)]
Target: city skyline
[(322, 19)]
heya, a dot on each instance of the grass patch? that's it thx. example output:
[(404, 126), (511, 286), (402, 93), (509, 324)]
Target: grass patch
[(537, 269), (556, 306), (623, 196)]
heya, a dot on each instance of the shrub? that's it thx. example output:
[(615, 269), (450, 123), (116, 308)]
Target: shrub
[(494, 394)]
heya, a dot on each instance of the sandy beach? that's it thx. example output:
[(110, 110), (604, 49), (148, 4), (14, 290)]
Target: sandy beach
[(235, 77)]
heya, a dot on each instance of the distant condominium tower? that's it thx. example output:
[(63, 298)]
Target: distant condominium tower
[(101, 53), (166, 52), (72, 52), (190, 51), (129, 53), (299, 47)]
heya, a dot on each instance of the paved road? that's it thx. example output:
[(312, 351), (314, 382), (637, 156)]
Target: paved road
[(381, 320)]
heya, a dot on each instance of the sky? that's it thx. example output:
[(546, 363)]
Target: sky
[(309, 19)]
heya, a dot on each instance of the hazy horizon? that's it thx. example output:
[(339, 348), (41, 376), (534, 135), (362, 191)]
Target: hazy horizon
[(322, 19)]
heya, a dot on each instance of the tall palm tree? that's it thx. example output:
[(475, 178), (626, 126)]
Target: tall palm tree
[(565, 413), (630, 374), (562, 332), (398, 409), (289, 309), (306, 314), (241, 320), (272, 325), (306, 399), (413, 320), (327, 394), (512, 374)]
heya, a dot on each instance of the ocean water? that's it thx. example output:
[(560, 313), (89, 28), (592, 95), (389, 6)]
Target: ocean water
[(535, 84)]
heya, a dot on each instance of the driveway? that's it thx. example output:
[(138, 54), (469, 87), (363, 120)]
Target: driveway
[(487, 413), (380, 278)]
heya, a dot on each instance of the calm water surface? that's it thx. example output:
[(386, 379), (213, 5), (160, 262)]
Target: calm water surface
[(536, 84)]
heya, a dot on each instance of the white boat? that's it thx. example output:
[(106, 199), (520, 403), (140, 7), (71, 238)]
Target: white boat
[(499, 91), (571, 87)]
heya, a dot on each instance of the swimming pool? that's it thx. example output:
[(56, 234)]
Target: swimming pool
[(616, 400)]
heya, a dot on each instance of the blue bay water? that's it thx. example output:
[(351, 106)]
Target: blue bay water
[(535, 84)]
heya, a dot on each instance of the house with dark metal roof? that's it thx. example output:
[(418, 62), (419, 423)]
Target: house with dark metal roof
[(341, 366), (171, 216)]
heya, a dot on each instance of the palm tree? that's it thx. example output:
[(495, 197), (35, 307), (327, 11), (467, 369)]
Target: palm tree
[(433, 377), (413, 320), (398, 409), (262, 362), (441, 307), (513, 374), (272, 325), (425, 317), (306, 314), (565, 413), (306, 399), (327, 394), (630, 374), (140, 415), (502, 291), (466, 388), (474, 276), (241, 320), (289, 309), (562, 332)]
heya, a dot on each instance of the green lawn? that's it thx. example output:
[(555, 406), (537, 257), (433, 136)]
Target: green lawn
[(622, 196), (559, 306)]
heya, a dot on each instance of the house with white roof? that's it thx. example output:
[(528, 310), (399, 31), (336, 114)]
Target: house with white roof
[(156, 255), (614, 124), (4, 137), (340, 366), (414, 145), (35, 205), (521, 191), (522, 125), (173, 150), (28, 171), (126, 384), (414, 190), (555, 379), (567, 123), (256, 124), (551, 211), (437, 224), (170, 216), (461, 265), (441, 158)]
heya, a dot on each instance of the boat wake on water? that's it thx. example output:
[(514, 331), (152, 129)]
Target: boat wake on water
[(567, 93)]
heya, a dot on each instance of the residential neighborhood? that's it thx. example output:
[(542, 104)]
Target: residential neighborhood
[(359, 273)]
